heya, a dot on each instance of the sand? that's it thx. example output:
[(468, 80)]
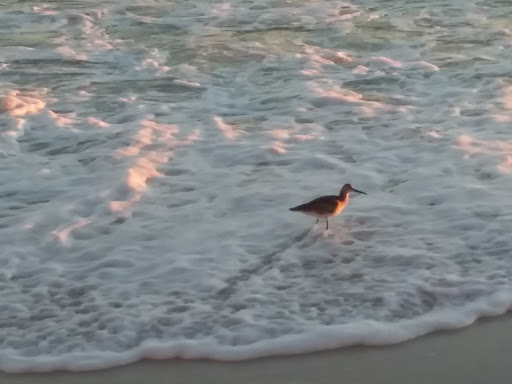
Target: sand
[(477, 354)]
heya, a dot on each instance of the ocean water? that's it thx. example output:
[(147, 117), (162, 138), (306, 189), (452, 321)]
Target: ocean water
[(150, 149)]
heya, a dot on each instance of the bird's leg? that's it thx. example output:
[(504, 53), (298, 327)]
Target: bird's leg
[(317, 221), (326, 223)]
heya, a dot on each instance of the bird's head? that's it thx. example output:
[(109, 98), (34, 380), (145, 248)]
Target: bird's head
[(347, 188)]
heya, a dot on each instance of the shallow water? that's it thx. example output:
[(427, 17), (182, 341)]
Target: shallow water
[(149, 152)]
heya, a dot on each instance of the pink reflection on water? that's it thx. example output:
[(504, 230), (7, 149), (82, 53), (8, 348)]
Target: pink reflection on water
[(506, 165), (62, 120), (500, 118), (71, 53), (14, 104), (496, 148), (97, 122), (387, 61), (318, 58), (278, 147), (507, 97), (334, 95), (284, 138), (360, 70), (62, 233), (230, 132), (152, 146)]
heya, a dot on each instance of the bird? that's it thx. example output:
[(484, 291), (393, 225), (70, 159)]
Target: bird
[(324, 207)]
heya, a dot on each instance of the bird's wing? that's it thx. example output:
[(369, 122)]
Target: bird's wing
[(322, 205)]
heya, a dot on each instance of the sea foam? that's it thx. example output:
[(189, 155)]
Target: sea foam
[(149, 153)]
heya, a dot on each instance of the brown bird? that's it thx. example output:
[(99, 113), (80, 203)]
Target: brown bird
[(324, 207)]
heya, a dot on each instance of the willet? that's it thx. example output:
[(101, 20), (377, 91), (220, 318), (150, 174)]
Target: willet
[(324, 207)]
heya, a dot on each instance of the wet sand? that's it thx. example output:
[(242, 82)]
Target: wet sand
[(477, 354)]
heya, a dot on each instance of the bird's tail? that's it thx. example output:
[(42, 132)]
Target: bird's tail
[(297, 208)]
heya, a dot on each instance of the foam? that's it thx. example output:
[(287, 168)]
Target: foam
[(387, 61), (16, 105), (507, 97), (501, 149), (228, 130), (149, 154), (144, 167)]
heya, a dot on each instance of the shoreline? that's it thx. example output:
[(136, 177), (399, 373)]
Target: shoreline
[(474, 354)]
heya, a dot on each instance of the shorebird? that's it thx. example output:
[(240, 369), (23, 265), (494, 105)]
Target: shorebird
[(324, 207)]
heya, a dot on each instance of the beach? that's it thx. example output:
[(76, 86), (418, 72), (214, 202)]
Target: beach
[(473, 355)]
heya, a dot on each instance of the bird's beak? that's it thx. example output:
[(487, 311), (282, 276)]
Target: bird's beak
[(358, 191)]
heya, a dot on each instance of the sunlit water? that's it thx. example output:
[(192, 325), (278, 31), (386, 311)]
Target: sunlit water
[(149, 152)]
